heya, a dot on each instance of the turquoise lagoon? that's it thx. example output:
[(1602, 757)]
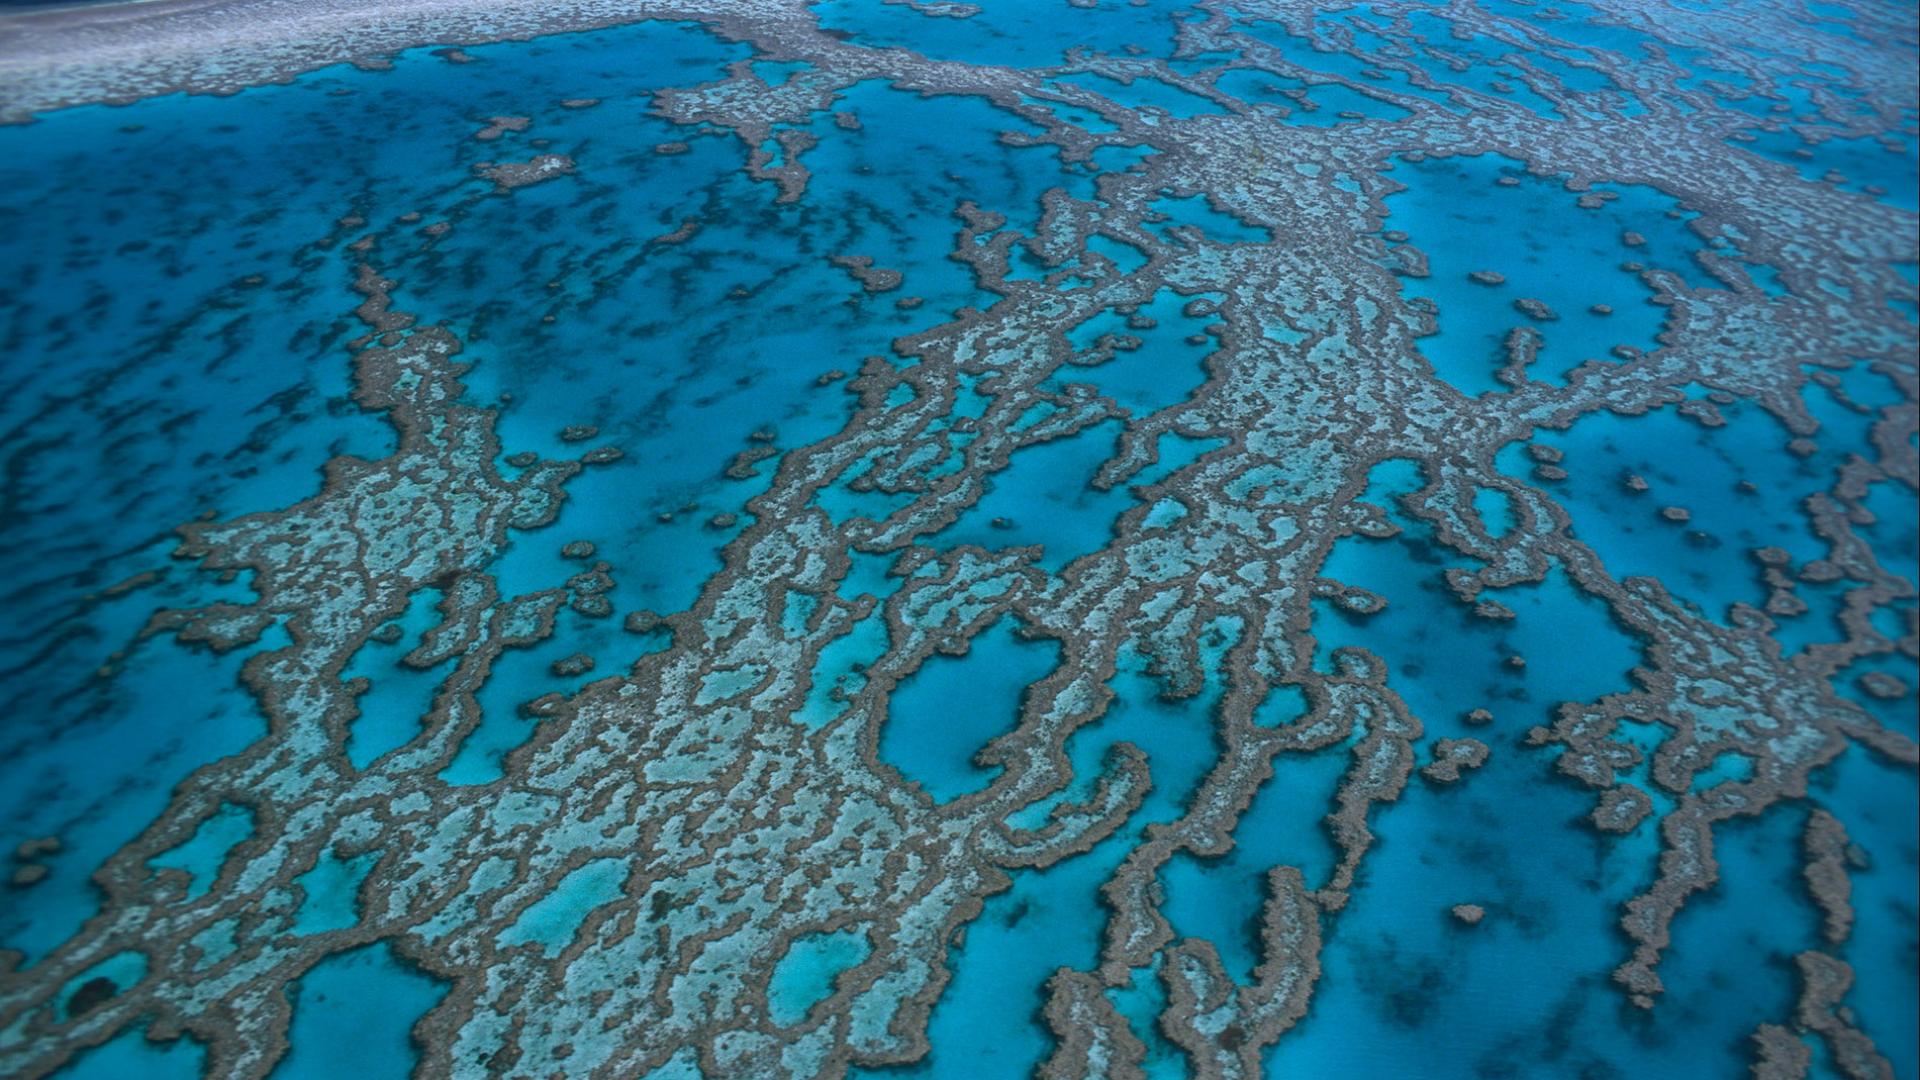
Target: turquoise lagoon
[(175, 314)]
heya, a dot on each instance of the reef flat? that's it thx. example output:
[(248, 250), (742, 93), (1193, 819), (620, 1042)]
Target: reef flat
[(1034, 537)]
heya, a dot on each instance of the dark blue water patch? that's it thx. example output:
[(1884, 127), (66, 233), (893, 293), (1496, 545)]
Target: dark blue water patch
[(870, 575), (1398, 967), (353, 1015), (751, 318), (1731, 958), (1892, 619), (940, 716), (1524, 992), (1307, 104), (1878, 802), (1446, 661), (1861, 163), (101, 777), (1531, 232), (522, 674), (1175, 733), (220, 392), (1820, 623), (1898, 712), (1008, 33), (734, 334), (1221, 899), (1282, 706), (1724, 769), (988, 1021), (656, 527), (254, 430), (891, 186), (1044, 497), (1687, 465), (727, 333), (1894, 535)]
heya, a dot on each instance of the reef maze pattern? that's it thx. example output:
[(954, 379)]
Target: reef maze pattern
[(742, 830)]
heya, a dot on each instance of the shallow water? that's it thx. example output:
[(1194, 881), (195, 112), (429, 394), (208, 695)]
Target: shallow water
[(959, 540)]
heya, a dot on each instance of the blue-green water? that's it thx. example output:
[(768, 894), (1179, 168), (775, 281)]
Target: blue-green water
[(926, 636)]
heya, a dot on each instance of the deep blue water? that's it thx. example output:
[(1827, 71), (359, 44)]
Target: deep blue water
[(177, 330)]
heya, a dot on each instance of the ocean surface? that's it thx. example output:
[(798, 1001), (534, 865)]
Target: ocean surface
[(975, 540)]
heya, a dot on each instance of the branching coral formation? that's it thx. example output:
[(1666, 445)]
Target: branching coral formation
[(737, 826)]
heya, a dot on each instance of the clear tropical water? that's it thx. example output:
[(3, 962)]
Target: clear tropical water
[(953, 542)]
